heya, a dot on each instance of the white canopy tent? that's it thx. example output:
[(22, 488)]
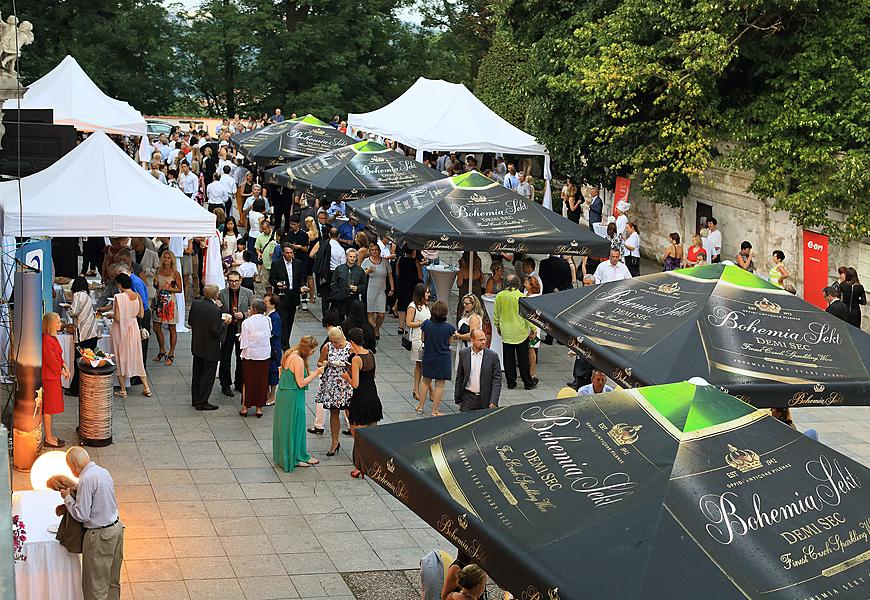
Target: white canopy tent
[(77, 101), (97, 190), (438, 115)]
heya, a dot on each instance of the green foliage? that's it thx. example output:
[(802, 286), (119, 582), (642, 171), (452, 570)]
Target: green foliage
[(463, 31), (123, 45), (651, 90), (501, 86)]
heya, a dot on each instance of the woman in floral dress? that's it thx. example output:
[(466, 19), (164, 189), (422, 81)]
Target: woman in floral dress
[(334, 392)]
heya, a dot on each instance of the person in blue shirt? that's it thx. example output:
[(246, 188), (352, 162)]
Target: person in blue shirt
[(337, 208), (347, 231), (145, 320), (511, 179)]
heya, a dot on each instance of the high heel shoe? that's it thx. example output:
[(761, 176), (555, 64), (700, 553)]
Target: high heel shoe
[(357, 474), (146, 391), (333, 452), (159, 357)]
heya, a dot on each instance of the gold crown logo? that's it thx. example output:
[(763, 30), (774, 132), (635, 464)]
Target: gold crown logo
[(765, 305), (669, 288), (391, 465), (445, 238), (574, 243), (475, 197), (624, 434), (509, 240), (819, 388), (377, 159), (463, 520), (742, 460)]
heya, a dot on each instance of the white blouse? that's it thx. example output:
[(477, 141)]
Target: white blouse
[(82, 312), (254, 340)]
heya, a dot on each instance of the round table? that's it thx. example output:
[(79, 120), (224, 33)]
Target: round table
[(67, 345), (444, 276), (49, 571), (495, 340)]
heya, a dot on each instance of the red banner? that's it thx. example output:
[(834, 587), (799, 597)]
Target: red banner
[(623, 184), (815, 267)]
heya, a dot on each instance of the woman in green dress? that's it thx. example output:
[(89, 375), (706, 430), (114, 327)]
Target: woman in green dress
[(288, 426)]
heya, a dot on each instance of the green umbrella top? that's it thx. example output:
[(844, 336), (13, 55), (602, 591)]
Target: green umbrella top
[(677, 491), (289, 140), (715, 321), (472, 212), (352, 172)]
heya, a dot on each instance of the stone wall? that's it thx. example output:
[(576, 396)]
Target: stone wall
[(741, 216)]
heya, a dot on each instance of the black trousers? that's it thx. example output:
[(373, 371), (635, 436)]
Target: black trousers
[(582, 373), (288, 314), (92, 254), (281, 210), (517, 354), (74, 382), (633, 265), (145, 323), (202, 381), (228, 349), (469, 401)]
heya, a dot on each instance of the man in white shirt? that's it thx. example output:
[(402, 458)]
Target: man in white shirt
[(478, 375), (187, 181), (256, 194), (612, 270), (95, 507), (216, 193), (530, 270), (598, 385), (714, 238)]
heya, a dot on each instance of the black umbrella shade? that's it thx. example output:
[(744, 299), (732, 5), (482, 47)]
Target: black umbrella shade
[(719, 322), (472, 212), (673, 491), (289, 140), (352, 172)]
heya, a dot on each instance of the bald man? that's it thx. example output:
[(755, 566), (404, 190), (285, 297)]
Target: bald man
[(95, 507)]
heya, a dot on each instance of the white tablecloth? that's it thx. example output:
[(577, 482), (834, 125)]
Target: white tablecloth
[(50, 572), (495, 341), (67, 345)]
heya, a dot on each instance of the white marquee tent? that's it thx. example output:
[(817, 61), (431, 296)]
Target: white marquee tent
[(97, 190), (77, 101), (438, 115)]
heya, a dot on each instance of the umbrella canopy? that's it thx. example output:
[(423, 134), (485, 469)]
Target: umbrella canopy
[(472, 212), (289, 140), (352, 172), (716, 321), (675, 491)]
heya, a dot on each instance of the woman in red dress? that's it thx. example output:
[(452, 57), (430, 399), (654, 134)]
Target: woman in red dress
[(53, 368)]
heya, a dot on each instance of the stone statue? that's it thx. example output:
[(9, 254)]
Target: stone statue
[(12, 37)]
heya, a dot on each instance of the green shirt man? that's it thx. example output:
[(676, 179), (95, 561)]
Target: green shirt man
[(512, 328), (265, 244)]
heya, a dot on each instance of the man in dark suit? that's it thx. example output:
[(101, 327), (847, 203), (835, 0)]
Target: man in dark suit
[(235, 300), (287, 279), (348, 283), (835, 305), (208, 327), (478, 378), (555, 274), (596, 207)]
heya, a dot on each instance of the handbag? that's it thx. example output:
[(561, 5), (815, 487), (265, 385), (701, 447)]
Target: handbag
[(144, 334), (406, 342)]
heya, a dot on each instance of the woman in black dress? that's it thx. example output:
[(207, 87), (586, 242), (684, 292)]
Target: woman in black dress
[(852, 295), (409, 272), (365, 405)]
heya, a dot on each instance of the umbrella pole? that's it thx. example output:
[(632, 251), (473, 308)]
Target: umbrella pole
[(470, 272)]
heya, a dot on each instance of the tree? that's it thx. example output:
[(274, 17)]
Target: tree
[(657, 90), (123, 45), (461, 29), (500, 83)]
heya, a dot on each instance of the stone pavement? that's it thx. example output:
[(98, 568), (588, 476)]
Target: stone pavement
[(208, 516)]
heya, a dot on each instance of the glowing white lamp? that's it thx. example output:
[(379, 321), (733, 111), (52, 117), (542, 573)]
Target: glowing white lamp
[(48, 465)]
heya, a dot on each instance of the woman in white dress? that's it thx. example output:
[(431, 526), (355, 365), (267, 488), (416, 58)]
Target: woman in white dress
[(380, 275), (418, 312)]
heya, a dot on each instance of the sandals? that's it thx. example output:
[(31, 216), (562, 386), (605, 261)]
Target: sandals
[(60, 443), (419, 409), (313, 461), (146, 391), (122, 393), (159, 357), (169, 359), (436, 413)]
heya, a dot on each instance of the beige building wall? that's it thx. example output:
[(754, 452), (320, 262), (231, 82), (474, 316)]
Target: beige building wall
[(741, 216)]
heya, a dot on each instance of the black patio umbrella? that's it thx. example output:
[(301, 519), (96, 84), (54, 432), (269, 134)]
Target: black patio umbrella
[(674, 492), (289, 140), (719, 322), (352, 172), (472, 212)]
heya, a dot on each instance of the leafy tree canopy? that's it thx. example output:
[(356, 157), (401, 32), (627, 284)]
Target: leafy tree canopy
[(657, 90)]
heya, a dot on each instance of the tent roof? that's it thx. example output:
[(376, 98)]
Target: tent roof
[(439, 115), (98, 190), (77, 101)]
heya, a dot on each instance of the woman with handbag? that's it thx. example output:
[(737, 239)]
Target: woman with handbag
[(126, 335), (417, 312), (163, 309)]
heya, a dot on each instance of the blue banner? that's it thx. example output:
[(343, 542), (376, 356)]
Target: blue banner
[(36, 253)]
